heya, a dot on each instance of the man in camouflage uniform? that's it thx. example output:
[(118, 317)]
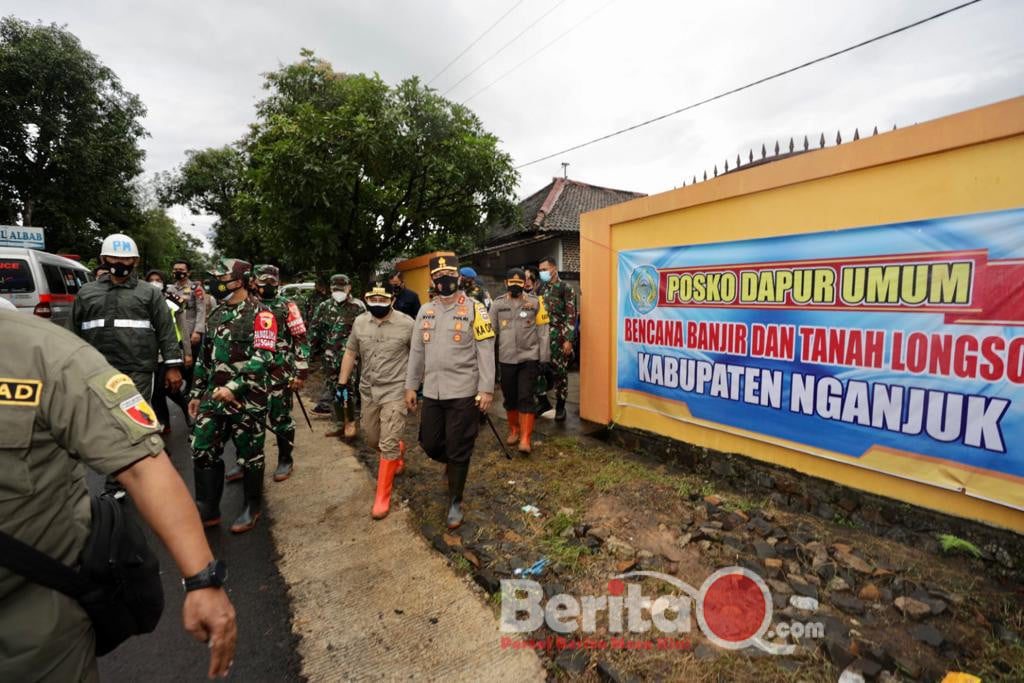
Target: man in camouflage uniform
[(289, 371), (469, 285), (560, 302), (332, 325), (229, 396)]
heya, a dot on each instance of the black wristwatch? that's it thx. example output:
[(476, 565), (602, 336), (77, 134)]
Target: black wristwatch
[(213, 575)]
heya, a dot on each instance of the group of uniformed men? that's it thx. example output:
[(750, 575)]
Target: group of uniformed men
[(243, 360)]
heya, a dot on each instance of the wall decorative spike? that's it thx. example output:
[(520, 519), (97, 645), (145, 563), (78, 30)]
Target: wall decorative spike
[(764, 152), (791, 146), (751, 157), (875, 131), (806, 143), (726, 165), (705, 175), (839, 137), (737, 161), (821, 143), (776, 148), (716, 170), (856, 134)]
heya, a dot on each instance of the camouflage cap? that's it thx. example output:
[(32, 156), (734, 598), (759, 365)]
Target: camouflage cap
[(267, 274), (231, 266), (338, 281)]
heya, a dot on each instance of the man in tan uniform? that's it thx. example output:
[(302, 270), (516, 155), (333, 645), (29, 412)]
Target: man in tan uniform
[(521, 324), (380, 342), (452, 354), (61, 406)]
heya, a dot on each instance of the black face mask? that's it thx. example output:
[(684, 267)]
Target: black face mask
[(180, 275), (516, 291), (120, 269), (379, 310), (446, 285), (219, 289), (267, 291)]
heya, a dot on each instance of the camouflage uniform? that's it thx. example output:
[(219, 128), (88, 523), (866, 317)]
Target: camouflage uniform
[(236, 353), (331, 327), (291, 360), (560, 302)]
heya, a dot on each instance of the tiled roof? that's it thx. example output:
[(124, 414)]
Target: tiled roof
[(557, 207)]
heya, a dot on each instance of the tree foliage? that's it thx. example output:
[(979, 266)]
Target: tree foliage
[(212, 181), (345, 172), (69, 138)]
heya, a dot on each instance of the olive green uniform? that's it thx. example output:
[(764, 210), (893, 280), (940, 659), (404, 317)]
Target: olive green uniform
[(331, 327), (62, 406), (382, 347), (129, 324)]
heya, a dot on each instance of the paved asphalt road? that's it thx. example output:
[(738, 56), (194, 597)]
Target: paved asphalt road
[(266, 648)]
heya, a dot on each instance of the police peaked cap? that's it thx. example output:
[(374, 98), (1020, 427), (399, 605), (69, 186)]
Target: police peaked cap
[(378, 287), (439, 263)]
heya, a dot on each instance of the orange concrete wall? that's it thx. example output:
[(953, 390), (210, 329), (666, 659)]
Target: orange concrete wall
[(966, 163), (416, 273)]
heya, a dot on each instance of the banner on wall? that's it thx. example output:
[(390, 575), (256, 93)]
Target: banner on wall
[(897, 347)]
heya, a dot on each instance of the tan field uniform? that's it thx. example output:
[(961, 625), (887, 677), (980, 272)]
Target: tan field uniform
[(383, 350), (61, 406)]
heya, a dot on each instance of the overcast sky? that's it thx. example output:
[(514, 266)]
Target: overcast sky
[(197, 67)]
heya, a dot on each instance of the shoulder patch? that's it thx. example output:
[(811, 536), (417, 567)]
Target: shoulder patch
[(542, 314), (117, 381), (296, 325), (20, 392), (139, 411), (265, 331), (482, 328)]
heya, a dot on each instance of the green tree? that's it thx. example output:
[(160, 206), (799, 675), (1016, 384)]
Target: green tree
[(345, 172), (69, 138), (212, 181)]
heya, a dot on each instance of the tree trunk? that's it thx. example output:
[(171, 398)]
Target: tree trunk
[(26, 212)]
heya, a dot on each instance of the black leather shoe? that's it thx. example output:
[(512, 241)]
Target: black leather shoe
[(543, 404)]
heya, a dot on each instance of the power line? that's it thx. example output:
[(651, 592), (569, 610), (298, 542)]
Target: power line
[(562, 35), (502, 48), (478, 38), (751, 84)]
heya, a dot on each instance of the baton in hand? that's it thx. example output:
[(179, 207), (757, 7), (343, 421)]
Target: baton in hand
[(498, 437)]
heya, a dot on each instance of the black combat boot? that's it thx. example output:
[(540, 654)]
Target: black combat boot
[(285, 444), (457, 473), (209, 488), (543, 404), (560, 409), (252, 484)]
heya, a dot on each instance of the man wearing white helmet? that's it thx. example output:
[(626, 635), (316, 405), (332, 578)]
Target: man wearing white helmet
[(128, 321)]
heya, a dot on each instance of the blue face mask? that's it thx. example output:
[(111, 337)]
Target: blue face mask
[(545, 276)]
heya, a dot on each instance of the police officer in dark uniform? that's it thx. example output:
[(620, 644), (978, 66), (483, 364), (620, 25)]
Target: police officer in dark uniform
[(452, 355)]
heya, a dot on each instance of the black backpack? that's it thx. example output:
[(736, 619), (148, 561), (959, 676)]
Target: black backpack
[(118, 581)]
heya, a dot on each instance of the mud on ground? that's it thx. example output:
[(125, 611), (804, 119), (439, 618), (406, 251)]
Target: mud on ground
[(892, 609)]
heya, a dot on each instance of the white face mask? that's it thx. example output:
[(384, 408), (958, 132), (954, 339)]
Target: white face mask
[(339, 296)]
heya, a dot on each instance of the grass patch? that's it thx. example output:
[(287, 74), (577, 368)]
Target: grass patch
[(953, 544), (462, 564), (564, 552)]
